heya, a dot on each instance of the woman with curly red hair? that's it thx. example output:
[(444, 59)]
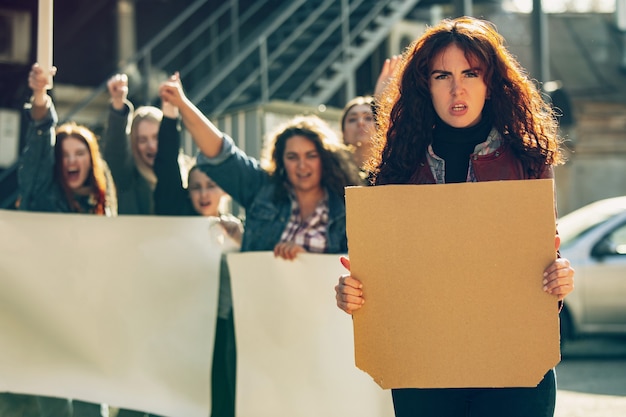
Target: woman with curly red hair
[(460, 108)]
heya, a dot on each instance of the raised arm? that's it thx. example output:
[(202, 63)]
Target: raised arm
[(170, 197), (38, 82), (118, 90), (36, 164), (206, 135), (115, 144), (386, 74)]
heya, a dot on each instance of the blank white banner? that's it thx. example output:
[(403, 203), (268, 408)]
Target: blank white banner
[(114, 310), (295, 350)]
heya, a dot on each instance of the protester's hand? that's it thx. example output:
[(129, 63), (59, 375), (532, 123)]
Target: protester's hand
[(38, 82), (558, 278), (171, 91), (348, 291), (386, 74), (287, 250), (232, 227), (169, 109), (118, 90)]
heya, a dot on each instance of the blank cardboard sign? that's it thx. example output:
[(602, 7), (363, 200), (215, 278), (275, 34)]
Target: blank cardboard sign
[(452, 278)]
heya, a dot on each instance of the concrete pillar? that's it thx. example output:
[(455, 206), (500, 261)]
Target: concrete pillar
[(620, 23), (126, 38), (541, 50)]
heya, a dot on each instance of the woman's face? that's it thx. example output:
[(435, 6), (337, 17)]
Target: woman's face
[(147, 141), (205, 194), (457, 88), (359, 125), (303, 164), (76, 162)]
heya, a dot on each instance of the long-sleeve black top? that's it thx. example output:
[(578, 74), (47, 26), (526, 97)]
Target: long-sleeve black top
[(170, 197)]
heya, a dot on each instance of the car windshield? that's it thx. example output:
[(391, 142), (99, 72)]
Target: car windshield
[(580, 221)]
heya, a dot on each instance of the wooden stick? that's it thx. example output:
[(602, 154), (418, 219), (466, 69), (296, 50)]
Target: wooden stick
[(44, 37)]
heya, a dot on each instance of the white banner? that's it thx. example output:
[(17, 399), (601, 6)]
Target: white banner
[(295, 350), (122, 311), (114, 310)]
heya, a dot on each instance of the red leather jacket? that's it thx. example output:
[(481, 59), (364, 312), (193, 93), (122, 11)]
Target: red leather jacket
[(502, 164)]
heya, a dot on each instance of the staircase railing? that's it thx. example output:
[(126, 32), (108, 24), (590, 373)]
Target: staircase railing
[(144, 58), (352, 56), (229, 54), (260, 48), (341, 32)]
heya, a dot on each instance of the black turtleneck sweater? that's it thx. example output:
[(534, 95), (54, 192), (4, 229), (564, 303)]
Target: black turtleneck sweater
[(455, 145)]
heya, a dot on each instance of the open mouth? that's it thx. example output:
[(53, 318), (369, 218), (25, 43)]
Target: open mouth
[(459, 107), (73, 175), (303, 176), (149, 158)]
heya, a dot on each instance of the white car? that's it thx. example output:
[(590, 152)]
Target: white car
[(593, 238)]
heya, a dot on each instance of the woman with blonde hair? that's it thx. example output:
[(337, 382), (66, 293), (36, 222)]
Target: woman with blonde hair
[(130, 146)]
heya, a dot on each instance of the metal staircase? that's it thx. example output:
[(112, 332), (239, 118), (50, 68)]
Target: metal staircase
[(250, 52), (307, 52)]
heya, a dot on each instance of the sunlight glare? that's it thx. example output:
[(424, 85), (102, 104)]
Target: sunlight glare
[(561, 6)]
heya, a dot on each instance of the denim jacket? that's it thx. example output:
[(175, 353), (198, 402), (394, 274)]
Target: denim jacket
[(38, 188), (249, 185)]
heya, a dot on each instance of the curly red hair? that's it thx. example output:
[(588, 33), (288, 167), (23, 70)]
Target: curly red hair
[(406, 114)]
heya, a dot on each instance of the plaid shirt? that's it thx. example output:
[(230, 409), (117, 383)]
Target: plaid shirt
[(310, 233)]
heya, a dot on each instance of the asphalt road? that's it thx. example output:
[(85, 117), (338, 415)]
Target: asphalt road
[(591, 379)]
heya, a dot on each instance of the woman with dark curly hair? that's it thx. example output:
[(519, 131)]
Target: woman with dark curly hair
[(293, 197), (460, 108)]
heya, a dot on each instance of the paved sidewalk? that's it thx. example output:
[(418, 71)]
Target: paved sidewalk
[(591, 379), (576, 404)]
